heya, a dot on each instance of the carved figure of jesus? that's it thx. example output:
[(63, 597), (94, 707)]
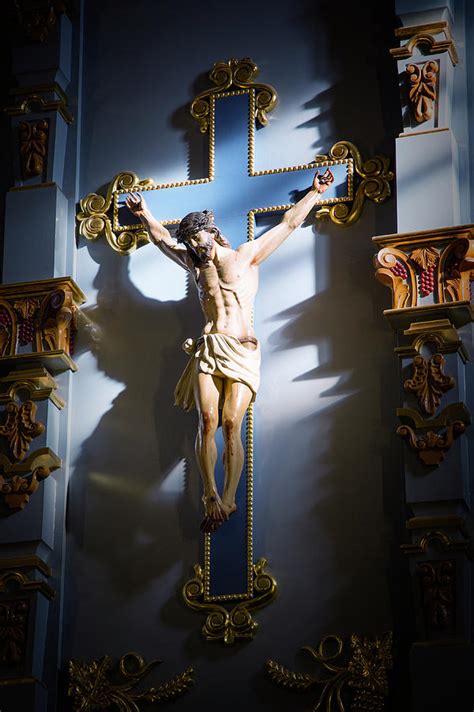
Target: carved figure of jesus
[(222, 375)]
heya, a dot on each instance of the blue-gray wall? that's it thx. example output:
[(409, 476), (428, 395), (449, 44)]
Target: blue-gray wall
[(328, 493)]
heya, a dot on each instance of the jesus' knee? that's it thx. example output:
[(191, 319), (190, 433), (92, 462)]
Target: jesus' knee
[(208, 422), (230, 426)]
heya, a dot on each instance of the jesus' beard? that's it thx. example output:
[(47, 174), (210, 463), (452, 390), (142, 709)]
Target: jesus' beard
[(201, 254)]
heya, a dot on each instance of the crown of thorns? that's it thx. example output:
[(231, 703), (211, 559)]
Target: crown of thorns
[(193, 222)]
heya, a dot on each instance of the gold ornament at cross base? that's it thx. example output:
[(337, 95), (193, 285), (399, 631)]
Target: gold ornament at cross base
[(95, 685), (230, 623), (362, 678)]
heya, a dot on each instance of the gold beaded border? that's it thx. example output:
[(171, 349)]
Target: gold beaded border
[(248, 594)]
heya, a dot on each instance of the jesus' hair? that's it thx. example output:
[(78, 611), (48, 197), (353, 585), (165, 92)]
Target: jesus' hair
[(193, 222)]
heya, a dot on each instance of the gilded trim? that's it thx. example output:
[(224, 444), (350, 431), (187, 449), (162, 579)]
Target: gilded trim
[(21, 582), (37, 382), (30, 101), (30, 561), (423, 36)]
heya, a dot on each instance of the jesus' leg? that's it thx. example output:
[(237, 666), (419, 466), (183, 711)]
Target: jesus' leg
[(206, 395), (237, 397)]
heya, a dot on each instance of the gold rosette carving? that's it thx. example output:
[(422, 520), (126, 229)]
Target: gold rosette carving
[(229, 624), (234, 74), (94, 685), (362, 679), (94, 218), (374, 185)]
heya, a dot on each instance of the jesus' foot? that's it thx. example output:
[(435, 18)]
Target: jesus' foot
[(215, 514), (229, 508)]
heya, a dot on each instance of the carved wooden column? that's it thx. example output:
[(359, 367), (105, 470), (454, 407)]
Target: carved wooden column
[(38, 320), (429, 266)]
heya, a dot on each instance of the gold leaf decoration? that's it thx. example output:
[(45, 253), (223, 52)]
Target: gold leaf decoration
[(374, 185), (428, 382), (93, 685), (363, 677)]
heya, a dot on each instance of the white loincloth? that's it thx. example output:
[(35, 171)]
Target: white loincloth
[(223, 356)]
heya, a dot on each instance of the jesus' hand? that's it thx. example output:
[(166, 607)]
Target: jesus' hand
[(322, 183), (136, 204)]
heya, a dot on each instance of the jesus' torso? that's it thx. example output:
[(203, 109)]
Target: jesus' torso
[(227, 286)]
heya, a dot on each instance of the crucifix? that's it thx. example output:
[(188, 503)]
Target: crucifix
[(224, 360)]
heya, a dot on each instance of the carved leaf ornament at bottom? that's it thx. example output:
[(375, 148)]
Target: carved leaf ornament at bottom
[(363, 678), (96, 685)]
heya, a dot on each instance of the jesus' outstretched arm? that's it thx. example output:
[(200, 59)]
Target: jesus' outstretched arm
[(272, 239), (159, 235)]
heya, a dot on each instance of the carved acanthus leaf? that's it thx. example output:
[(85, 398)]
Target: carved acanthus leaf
[(428, 382), (26, 307), (425, 257), (20, 427)]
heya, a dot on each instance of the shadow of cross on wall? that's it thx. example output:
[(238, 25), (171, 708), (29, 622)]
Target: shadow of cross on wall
[(236, 193)]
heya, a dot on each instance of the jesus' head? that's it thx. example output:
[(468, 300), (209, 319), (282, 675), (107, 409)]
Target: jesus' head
[(197, 231)]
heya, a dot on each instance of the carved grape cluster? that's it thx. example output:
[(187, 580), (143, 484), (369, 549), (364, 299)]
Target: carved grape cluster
[(426, 281), (26, 331), (399, 270), (5, 319)]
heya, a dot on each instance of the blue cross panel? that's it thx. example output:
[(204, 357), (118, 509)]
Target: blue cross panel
[(231, 195), (233, 192)]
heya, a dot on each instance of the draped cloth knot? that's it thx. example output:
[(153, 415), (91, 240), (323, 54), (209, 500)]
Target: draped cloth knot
[(222, 356)]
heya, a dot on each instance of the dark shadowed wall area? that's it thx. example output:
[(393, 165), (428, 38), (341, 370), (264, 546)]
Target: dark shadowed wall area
[(328, 500)]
